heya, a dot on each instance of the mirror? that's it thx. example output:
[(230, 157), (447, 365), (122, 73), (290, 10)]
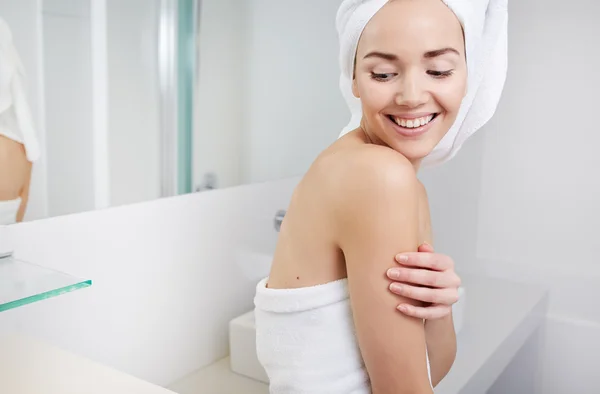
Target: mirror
[(134, 100)]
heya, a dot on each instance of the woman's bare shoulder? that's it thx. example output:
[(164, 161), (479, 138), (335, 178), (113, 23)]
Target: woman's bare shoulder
[(364, 170)]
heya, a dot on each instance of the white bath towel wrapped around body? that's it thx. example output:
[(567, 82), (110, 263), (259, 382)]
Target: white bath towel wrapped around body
[(305, 340)]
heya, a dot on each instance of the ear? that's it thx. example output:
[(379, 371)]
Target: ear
[(355, 89)]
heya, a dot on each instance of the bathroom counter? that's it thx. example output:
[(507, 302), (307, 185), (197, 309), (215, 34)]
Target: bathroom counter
[(30, 366), (500, 318)]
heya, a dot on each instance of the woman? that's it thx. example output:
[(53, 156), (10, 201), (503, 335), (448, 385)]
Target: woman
[(325, 318), (15, 176), (18, 143)]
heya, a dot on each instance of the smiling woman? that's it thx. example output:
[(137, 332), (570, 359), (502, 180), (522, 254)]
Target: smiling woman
[(325, 318), (420, 79)]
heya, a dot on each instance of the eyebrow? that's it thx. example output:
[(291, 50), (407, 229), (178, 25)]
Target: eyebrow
[(427, 55), (439, 52)]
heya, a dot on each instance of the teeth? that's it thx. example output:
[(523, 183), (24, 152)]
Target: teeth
[(413, 123)]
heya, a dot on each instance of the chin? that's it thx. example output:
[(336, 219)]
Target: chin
[(414, 150), (415, 155)]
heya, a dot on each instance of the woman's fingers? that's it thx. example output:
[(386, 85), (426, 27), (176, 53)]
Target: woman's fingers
[(434, 280), (431, 312), (424, 277), (425, 248), (432, 261), (435, 296)]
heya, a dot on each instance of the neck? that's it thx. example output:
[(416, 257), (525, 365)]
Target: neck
[(371, 138), (416, 164)]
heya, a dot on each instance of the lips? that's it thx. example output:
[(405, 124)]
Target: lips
[(412, 122), (412, 127)]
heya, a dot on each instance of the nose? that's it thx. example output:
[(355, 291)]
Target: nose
[(411, 91)]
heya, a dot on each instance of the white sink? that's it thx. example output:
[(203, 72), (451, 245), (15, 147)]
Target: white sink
[(242, 348), (242, 341)]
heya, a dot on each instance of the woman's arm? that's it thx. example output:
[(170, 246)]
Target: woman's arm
[(436, 283), (378, 216), (441, 345), (24, 194)]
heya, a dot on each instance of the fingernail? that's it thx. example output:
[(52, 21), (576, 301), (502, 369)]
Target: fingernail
[(403, 308), (395, 287), (393, 273), (402, 258)]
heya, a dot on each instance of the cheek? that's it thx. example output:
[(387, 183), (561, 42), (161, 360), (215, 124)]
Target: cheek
[(375, 96), (450, 97)]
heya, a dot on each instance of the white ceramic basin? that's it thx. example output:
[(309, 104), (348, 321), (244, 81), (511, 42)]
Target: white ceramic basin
[(242, 348), (242, 341)]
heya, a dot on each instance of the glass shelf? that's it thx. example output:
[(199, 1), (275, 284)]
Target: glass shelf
[(23, 283)]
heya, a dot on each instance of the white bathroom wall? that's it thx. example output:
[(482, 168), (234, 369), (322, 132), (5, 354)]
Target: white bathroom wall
[(133, 100), (219, 111), (454, 193), (168, 275), (294, 107), (67, 71), (538, 209), (24, 19), (267, 89)]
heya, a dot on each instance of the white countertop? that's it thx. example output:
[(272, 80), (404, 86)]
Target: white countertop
[(29, 366), (499, 318)]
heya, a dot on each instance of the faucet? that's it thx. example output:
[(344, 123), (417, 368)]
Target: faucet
[(279, 215)]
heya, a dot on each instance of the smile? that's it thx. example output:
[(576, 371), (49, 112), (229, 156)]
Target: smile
[(412, 123), (412, 127)]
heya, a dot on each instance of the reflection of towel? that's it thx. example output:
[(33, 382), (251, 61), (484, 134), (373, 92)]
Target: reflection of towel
[(485, 24), (8, 211), (16, 121)]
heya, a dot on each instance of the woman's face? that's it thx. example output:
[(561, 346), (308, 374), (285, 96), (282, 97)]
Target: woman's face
[(410, 75)]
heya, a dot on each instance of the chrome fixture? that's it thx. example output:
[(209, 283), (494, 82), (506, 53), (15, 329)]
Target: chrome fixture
[(279, 219)]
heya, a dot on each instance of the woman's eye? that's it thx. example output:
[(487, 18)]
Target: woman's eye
[(382, 77), (440, 74)]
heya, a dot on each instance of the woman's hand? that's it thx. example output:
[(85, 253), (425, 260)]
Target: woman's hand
[(425, 276)]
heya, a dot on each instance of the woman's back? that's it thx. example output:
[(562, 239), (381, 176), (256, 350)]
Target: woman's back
[(306, 334), (15, 174), (307, 253), (14, 168)]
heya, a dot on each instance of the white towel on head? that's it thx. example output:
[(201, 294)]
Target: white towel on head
[(16, 120), (485, 24)]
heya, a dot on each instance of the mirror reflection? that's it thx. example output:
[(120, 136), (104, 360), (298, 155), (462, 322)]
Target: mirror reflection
[(140, 100)]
